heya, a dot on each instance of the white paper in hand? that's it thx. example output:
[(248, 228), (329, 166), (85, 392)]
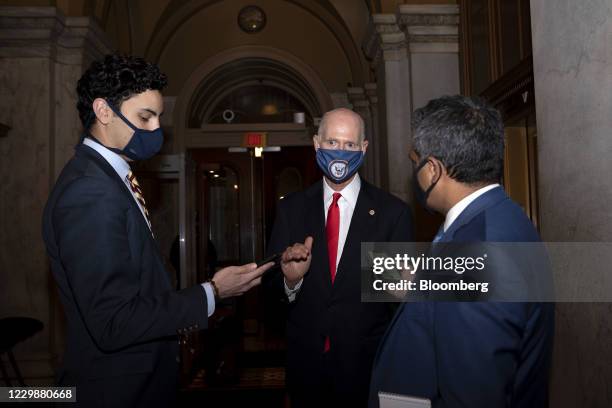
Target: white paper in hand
[(388, 400)]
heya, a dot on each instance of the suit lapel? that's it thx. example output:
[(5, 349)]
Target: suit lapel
[(315, 227), (98, 160), (93, 156)]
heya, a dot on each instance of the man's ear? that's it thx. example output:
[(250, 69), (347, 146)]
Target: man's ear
[(316, 142), (435, 168), (103, 113), (364, 146)]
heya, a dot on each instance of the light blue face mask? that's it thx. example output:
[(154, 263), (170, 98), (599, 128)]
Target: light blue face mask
[(144, 144), (339, 165)]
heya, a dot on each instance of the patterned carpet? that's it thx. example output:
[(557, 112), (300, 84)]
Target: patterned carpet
[(255, 386), (260, 377)]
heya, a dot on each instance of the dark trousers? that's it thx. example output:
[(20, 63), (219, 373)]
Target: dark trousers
[(324, 393)]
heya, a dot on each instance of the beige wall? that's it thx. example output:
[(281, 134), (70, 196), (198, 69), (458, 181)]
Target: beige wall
[(331, 45), (289, 28), (145, 17), (356, 16)]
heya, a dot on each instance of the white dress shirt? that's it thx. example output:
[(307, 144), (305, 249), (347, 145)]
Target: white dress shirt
[(458, 208), (346, 204), (122, 168)]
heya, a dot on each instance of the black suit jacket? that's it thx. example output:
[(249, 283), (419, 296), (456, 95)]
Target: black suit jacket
[(322, 309), (122, 313)]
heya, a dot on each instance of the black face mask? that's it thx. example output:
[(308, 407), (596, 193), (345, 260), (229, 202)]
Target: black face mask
[(420, 194)]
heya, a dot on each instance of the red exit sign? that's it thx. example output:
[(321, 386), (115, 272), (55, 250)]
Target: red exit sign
[(254, 139)]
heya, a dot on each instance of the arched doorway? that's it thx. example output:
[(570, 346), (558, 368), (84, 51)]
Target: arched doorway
[(263, 87), (214, 79), (231, 190)]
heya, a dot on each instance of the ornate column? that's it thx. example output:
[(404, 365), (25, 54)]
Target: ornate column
[(340, 100), (361, 105), (386, 46), (375, 145), (42, 55), (432, 32), (415, 57)]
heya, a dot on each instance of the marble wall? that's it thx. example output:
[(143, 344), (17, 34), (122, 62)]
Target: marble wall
[(573, 85), (42, 55), (24, 165)]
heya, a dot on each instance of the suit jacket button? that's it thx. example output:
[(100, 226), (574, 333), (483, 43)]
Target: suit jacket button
[(178, 360)]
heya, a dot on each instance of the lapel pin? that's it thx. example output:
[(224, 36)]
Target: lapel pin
[(372, 212)]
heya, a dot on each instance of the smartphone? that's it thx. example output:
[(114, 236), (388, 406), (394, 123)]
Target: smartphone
[(272, 258)]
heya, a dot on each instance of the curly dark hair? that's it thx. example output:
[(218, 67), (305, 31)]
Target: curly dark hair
[(116, 78)]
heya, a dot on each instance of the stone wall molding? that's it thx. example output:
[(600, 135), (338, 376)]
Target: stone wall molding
[(45, 32), (430, 28)]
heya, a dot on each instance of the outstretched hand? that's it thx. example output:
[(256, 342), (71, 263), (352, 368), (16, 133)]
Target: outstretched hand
[(295, 261), (236, 280)]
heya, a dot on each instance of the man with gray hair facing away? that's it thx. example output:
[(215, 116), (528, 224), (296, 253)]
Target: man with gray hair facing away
[(466, 354), (331, 335)]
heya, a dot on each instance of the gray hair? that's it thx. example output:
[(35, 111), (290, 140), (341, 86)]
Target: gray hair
[(465, 133), (325, 119)]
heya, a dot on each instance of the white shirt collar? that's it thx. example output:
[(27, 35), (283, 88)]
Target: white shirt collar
[(350, 192), (458, 208), (117, 162)]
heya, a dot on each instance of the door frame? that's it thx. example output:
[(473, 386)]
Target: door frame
[(219, 136)]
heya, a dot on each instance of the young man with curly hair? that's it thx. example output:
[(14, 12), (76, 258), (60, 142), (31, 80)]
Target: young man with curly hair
[(122, 313)]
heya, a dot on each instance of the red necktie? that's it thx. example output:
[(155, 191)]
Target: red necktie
[(332, 230)]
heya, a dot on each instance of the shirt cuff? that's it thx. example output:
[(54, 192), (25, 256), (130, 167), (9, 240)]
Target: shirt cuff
[(210, 297), (292, 293)]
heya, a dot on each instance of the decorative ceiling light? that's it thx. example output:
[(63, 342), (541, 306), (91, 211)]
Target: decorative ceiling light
[(251, 19)]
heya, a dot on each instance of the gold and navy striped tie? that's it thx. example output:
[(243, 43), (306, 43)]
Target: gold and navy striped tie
[(131, 178)]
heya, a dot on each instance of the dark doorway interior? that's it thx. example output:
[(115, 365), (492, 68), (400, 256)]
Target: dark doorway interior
[(241, 355)]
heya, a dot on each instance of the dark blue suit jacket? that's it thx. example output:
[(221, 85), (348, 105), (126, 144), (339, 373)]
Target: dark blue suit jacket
[(471, 354), (122, 314)]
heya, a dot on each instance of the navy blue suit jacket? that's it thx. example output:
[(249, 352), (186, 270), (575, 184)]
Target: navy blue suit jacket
[(122, 314), (471, 354)]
